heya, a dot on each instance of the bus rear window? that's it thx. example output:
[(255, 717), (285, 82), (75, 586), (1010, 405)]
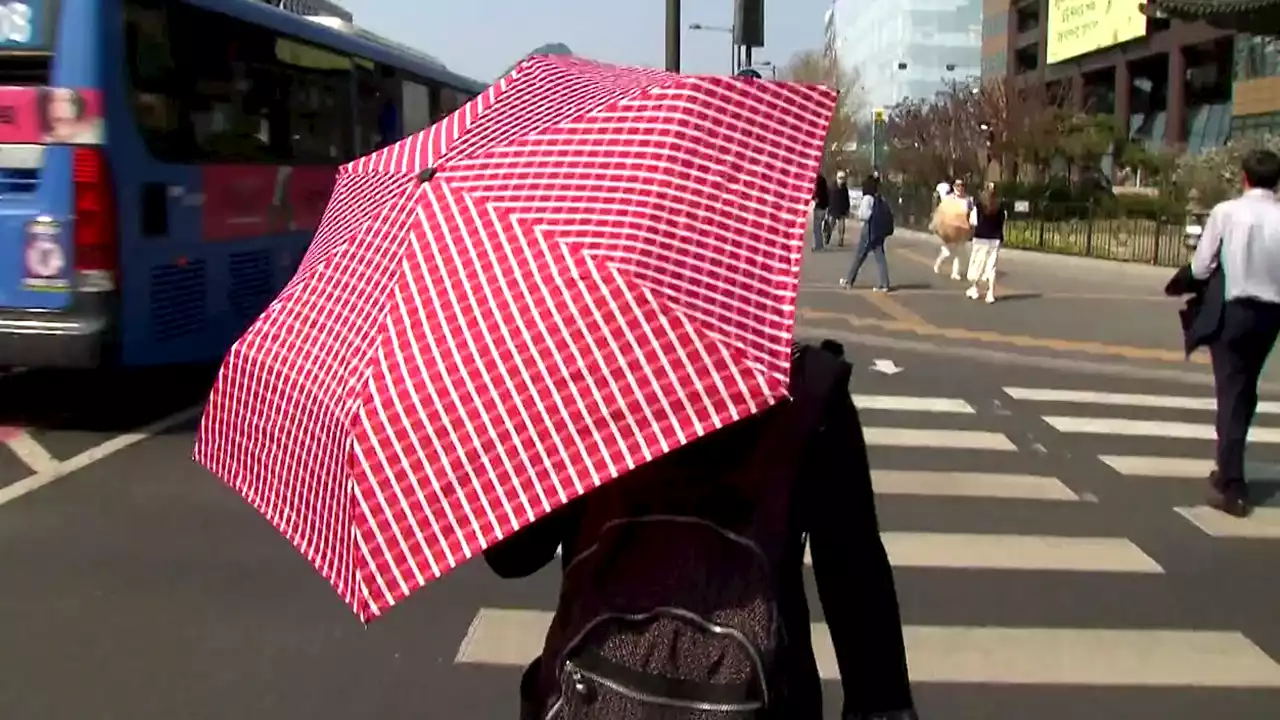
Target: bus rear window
[(209, 88)]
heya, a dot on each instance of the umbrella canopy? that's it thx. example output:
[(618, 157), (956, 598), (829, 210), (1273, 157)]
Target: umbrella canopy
[(580, 270)]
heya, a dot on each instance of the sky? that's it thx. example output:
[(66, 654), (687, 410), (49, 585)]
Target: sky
[(482, 38)]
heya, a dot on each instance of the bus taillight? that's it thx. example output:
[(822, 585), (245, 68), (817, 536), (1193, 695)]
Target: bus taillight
[(96, 247)]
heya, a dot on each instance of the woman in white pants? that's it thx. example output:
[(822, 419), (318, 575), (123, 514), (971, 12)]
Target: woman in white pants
[(987, 219)]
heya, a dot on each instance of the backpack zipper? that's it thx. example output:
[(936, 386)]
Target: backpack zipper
[(578, 673), (580, 676)]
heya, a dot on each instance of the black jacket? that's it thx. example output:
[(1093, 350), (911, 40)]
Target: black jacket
[(838, 200), (835, 507), (820, 193), (1201, 315)]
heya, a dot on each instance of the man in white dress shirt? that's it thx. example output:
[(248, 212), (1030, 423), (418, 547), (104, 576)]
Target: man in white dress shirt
[(1242, 239)]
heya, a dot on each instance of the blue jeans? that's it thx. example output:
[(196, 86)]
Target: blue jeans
[(867, 246), (819, 220)]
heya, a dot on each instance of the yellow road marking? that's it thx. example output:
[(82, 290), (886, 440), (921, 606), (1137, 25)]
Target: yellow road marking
[(1011, 294), (895, 309), (991, 337)]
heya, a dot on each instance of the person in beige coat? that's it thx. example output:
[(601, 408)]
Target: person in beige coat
[(951, 224)]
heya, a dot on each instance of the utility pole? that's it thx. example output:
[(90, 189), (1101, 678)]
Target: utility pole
[(748, 27), (673, 35)]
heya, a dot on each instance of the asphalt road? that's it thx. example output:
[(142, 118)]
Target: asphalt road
[(133, 585)]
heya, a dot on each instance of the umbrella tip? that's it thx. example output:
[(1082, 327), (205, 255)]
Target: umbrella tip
[(426, 175)]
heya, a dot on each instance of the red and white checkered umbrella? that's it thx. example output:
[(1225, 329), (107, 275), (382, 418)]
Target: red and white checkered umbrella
[(580, 270)]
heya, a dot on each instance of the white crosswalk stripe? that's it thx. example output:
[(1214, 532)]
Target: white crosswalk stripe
[(1181, 467), (945, 483), (1087, 397), (1192, 430), (983, 654), (977, 655)]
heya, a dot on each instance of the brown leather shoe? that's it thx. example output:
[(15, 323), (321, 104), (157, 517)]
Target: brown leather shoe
[(1231, 498)]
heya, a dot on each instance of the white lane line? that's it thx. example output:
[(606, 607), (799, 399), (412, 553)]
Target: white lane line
[(937, 439), (12, 492), (1151, 428), (1003, 486), (1263, 524), (1084, 397), (912, 403), (977, 655), (1182, 467), (1049, 553), (31, 453), (994, 486)]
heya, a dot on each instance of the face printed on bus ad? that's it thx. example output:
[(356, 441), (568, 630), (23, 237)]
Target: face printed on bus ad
[(63, 116), (67, 118)]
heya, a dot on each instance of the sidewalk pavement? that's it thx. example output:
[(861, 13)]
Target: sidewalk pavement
[(1076, 311)]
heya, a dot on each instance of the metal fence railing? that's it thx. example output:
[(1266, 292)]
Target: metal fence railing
[(1082, 231)]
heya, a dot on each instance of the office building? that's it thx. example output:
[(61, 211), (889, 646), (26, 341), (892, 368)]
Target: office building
[(1172, 82), (908, 48)]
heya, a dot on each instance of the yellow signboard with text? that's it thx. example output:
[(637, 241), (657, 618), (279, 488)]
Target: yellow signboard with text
[(1077, 27)]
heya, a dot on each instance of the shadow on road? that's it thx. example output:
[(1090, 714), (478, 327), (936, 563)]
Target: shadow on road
[(1015, 296), (102, 401)]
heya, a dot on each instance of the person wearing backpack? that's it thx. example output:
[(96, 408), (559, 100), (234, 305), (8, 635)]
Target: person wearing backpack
[(682, 594), (877, 226)]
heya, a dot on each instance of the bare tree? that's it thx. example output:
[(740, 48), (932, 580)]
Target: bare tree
[(969, 128), (939, 138), (821, 68)]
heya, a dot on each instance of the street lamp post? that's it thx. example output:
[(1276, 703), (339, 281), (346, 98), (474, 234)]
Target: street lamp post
[(673, 35), (733, 50)]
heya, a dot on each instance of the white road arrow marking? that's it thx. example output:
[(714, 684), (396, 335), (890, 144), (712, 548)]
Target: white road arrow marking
[(888, 367)]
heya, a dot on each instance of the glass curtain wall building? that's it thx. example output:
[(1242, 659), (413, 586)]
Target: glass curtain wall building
[(908, 48)]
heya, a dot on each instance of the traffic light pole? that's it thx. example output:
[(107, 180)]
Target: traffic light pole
[(673, 35)]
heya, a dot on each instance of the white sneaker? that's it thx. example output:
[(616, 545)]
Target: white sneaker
[(990, 298), (971, 293), (844, 283)]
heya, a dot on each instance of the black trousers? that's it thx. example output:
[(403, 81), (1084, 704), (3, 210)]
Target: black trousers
[(1248, 332)]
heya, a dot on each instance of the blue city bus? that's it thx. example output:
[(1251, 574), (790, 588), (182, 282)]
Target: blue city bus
[(164, 163)]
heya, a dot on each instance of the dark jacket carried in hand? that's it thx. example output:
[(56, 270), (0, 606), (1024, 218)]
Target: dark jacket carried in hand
[(832, 504), (1201, 315)]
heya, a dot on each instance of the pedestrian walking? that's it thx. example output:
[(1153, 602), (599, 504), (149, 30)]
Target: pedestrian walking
[(682, 593), (951, 224), (877, 227), (838, 207), (820, 199), (987, 218), (1241, 240)]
